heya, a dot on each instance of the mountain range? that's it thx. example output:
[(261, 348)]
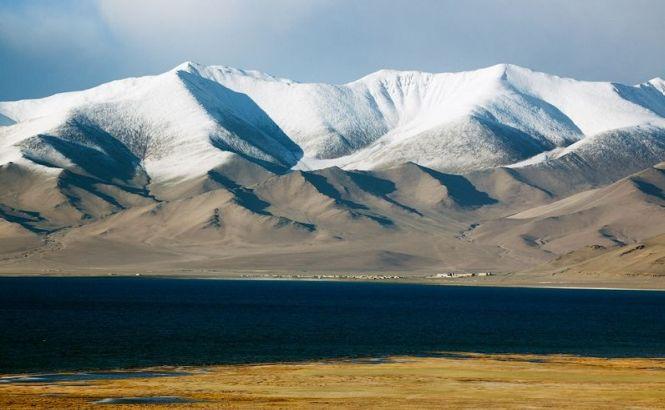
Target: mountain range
[(211, 168)]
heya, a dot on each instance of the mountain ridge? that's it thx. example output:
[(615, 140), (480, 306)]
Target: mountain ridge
[(204, 168), (389, 116)]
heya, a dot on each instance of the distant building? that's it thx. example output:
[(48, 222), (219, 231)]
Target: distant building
[(453, 275)]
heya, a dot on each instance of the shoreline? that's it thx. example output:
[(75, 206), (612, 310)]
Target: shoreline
[(497, 281), (160, 370)]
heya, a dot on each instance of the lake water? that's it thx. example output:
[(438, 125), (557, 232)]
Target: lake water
[(54, 324)]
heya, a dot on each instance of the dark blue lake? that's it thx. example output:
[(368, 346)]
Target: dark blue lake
[(95, 323)]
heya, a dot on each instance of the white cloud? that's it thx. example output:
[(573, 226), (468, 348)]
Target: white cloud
[(47, 29), (204, 27), (69, 44), (197, 16)]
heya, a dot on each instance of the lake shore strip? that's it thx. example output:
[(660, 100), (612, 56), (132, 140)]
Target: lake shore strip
[(492, 279), (453, 380)]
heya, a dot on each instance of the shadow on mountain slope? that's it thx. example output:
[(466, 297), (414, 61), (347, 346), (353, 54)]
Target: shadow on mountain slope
[(463, 192), (251, 133), (244, 196)]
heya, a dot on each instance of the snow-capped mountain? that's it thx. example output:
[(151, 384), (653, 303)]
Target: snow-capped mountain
[(202, 167), (193, 118)]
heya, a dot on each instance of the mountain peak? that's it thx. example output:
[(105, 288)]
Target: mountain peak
[(658, 83), (216, 72), (500, 72), (189, 66)]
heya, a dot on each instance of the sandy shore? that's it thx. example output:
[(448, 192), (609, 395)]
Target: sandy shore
[(451, 381)]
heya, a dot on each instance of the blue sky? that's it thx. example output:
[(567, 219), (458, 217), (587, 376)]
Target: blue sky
[(53, 46)]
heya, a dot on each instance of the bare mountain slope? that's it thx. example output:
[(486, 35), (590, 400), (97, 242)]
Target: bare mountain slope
[(643, 260), (205, 168), (622, 213), (410, 218)]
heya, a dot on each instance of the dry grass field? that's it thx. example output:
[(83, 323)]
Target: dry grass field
[(448, 381)]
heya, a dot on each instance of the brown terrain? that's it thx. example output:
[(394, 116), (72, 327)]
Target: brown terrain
[(523, 224), (410, 220)]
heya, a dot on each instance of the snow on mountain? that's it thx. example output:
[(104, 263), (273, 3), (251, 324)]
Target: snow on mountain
[(193, 118), (657, 83), (389, 109), (4, 121), (183, 125)]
